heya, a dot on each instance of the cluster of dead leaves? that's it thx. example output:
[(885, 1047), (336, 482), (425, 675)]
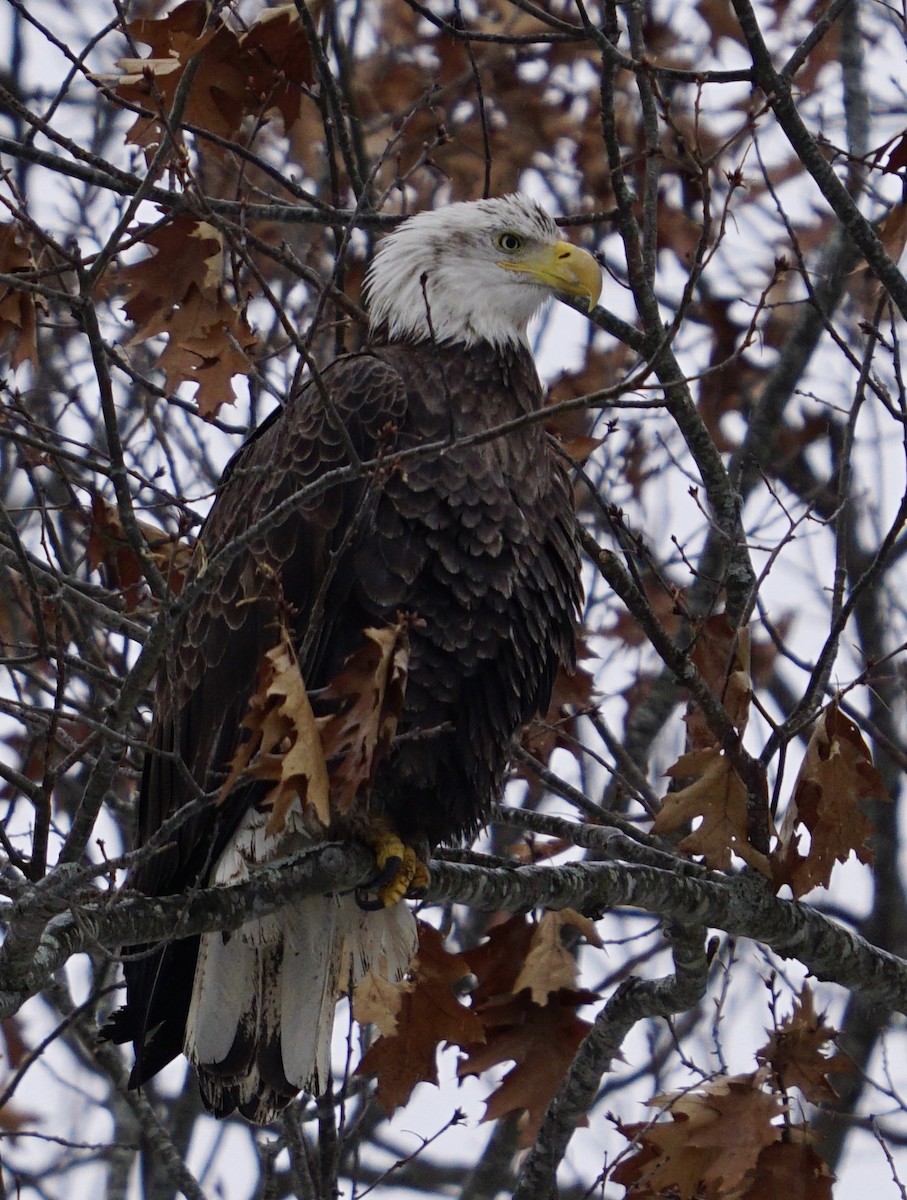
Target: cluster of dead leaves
[(18, 312), (522, 1009), (836, 775), (322, 766), (109, 549), (178, 292), (417, 101), (732, 1138), (236, 75), (716, 796)]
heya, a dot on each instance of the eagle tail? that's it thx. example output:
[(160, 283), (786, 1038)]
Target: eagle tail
[(261, 1018)]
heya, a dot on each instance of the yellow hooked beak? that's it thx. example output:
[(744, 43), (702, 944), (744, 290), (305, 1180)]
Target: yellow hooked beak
[(564, 268)]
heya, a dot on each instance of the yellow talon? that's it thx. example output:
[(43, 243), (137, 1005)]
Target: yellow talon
[(400, 867), (397, 886), (421, 877)]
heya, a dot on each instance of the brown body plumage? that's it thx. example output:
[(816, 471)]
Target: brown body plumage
[(475, 541)]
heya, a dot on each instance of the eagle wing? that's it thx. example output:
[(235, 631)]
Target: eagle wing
[(276, 540)]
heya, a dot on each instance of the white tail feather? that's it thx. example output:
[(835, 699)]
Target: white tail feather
[(308, 991), (225, 990), (260, 1022)]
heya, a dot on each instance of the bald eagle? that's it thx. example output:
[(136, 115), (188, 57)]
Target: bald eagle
[(475, 544)]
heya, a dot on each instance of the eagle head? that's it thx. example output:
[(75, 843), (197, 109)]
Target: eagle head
[(473, 272)]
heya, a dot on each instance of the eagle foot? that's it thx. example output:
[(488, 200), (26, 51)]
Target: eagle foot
[(401, 872)]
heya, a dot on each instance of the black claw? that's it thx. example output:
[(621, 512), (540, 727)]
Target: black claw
[(366, 901), (389, 871)]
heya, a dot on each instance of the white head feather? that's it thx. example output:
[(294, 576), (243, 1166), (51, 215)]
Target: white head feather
[(448, 276)]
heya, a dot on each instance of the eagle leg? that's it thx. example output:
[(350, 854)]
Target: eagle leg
[(401, 871)]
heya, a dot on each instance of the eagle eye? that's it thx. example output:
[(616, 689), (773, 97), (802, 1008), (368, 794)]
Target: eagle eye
[(509, 241)]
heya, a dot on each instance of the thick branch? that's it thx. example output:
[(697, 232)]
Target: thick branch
[(740, 905)]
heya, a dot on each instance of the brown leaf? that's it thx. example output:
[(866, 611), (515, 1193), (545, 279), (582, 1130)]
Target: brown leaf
[(718, 796), (531, 849), (892, 232), (13, 1120), (720, 21), (177, 291), (377, 1001), (572, 695), (278, 61), (187, 253), (836, 774), (368, 695), (710, 1145), (550, 966), (108, 547), (795, 1052), (284, 745), (721, 653), (14, 1053), (219, 95), (15, 1049), (18, 315), (497, 961), (665, 608), (791, 1169), (517, 965), (897, 154), (429, 1014), (541, 1039), (210, 343)]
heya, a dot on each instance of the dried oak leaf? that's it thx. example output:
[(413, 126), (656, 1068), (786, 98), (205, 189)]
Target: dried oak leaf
[(279, 61), (664, 606), (187, 253), (377, 1001), (836, 774), (526, 1002), (791, 1169), (430, 1013), (219, 95), (711, 1143), (210, 343), (284, 745), (108, 547), (892, 233), (541, 1039), (13, 1051), (721, 653), (177, 291), (795, 1052), (368, 697), (550, 966), (717, 795), (896, 150), (497, 961), (18, 315)]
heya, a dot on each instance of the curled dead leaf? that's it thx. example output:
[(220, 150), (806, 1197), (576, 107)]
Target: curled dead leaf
[(284, 744), (796, 1052), (550, 964), (718, 796), (368, 698), (837, 773)]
